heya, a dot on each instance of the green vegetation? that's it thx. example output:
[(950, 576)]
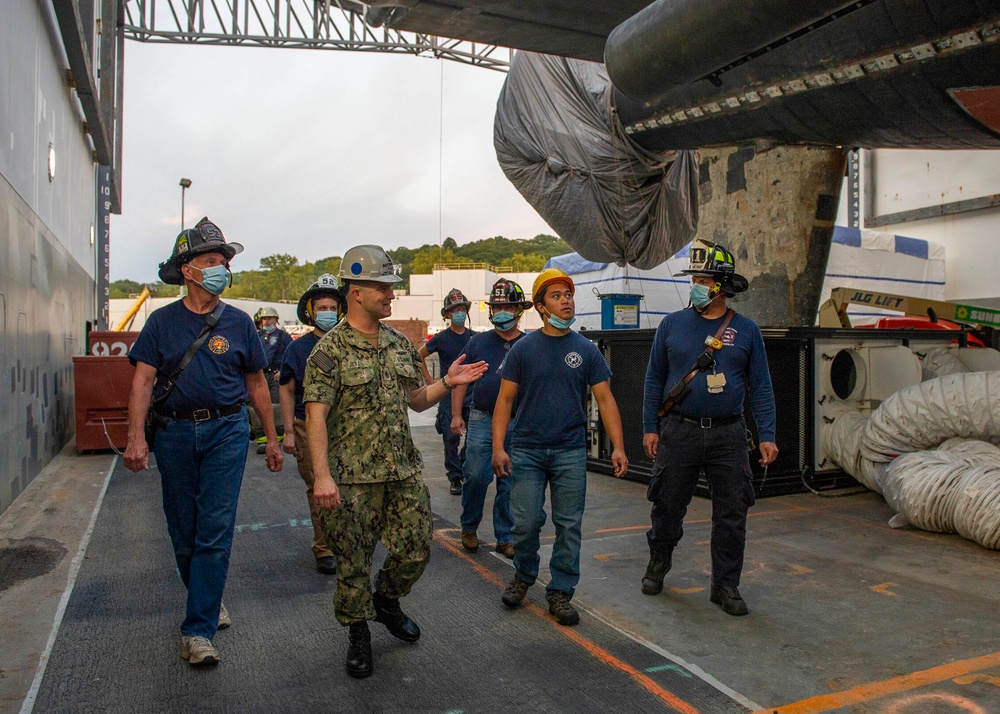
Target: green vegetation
[(281, 278)]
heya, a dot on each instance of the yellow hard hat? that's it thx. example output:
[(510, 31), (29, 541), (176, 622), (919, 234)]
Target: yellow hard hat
[(546, 278)]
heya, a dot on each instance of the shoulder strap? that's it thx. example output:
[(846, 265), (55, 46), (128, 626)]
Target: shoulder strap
[(211, 320)]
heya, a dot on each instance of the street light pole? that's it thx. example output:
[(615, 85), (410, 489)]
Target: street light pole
[(185, 184)]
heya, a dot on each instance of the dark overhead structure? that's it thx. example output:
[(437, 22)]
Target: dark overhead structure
[(771, 92)]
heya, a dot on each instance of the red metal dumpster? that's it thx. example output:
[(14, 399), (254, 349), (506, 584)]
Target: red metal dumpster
[(105, 343), (103, 385)]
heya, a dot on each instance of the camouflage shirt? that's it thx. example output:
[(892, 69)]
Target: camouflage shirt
[(368, 391)]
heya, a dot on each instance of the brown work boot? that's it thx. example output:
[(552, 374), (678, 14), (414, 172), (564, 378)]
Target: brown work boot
[(506, 550), (470, 541), (560, 607), (515, 592), (659, 566)]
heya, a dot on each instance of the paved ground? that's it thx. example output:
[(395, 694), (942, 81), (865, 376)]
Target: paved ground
[(847, 614)]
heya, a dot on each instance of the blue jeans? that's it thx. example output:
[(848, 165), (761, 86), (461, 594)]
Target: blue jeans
[(201, 470), (565, 473), (453, 459), (477, 474)]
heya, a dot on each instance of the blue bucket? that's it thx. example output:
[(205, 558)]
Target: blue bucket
[(619, 311)]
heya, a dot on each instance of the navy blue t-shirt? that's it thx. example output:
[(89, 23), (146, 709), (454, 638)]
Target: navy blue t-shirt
[(491, 348), (552, 376), (679, 339), (294, 367), (215, 377), (275, 343), (448, 347)]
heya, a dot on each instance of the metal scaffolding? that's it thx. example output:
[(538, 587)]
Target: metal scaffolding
[(302, 24)]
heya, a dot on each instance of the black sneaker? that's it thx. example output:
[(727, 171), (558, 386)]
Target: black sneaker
[(659, 566), (560, 607), (514, 593), (729, 599), (390, 614), (456, 488), (359, 651)]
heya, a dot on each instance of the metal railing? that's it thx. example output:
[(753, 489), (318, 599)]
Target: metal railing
[(474, 266), (302, 24)]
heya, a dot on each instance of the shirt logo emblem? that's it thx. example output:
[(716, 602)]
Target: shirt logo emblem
[(729, 336), (574, 360), (218, 344)]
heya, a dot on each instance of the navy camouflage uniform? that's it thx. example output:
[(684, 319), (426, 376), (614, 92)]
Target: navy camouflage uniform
[(374, 462)]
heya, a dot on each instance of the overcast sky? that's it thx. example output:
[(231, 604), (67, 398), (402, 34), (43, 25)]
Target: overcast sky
[(306, 152)]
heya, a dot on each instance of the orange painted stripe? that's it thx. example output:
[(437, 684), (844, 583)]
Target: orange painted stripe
[(597, 652), (877, 690)]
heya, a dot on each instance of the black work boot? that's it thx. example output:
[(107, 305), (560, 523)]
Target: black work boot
[(729, 600), (359, 651), (659, 566), (389, 613)]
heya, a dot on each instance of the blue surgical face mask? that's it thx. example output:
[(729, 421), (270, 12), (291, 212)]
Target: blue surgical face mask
[(699, 295), (458, 318), (326, 320), (270, 328), (559, 323), (214, 279), (503, 319)]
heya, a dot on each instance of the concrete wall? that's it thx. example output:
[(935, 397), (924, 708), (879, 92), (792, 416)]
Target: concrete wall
[(47, 262)]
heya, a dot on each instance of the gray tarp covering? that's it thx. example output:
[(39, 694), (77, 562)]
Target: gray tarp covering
[(560, 144)]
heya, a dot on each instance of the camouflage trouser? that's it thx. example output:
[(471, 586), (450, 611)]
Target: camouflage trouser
[(319, 547), (398, 513)]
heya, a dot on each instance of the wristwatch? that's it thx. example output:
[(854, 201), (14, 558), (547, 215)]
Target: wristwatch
[(447, 385)]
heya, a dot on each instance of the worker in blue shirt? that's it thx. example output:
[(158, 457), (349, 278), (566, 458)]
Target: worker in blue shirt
[(549, 374), (201, 426), (703, 361), (322, 307), (448, 344), (507, 304)]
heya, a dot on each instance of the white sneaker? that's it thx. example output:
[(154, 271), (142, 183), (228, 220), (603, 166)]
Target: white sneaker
[(199, 651), (224, 619)]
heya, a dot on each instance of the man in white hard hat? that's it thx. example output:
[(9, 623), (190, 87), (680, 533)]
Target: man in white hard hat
[(360, 379), (320, 306)]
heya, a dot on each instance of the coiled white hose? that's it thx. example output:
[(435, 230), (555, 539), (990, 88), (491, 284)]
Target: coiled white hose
[(953, 488)]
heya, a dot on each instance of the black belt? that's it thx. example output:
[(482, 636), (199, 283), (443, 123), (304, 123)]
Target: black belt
[(705, 422), (204, 414)]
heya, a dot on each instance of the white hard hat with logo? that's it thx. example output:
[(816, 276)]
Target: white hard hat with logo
[(371, 263)]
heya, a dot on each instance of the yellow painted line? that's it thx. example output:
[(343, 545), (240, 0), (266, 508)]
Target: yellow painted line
[(686, 591), (877, 690), (799, 569), (667, 697), (605, 557)]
